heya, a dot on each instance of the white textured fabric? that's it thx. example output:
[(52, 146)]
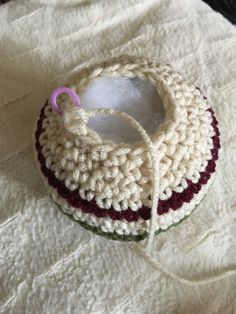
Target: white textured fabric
[(48, 263)]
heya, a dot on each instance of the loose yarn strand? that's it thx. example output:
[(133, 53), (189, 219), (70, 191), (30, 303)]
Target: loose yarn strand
[(153, 151), (73, 123), (195, 282)]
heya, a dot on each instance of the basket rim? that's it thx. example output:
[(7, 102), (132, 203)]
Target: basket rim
[(135, 67)]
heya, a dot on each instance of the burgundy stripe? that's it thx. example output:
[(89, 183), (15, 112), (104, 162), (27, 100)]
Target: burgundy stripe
[(174, 202)]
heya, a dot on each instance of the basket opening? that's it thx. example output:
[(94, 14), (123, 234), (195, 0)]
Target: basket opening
[(138, 98)]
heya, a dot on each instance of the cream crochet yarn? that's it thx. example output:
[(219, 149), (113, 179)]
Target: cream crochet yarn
[(110, 188)]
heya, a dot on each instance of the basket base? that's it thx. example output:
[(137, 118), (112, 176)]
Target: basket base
[(115, 236)]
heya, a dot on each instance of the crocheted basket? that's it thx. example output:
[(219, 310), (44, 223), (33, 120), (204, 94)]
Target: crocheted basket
[(107, 187)]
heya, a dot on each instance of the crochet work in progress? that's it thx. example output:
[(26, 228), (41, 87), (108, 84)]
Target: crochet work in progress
[(127, 191)]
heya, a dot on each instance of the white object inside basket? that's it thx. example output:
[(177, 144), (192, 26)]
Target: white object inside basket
[(136, 97)]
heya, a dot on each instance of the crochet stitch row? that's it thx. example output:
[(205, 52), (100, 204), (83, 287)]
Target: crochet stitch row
[(120, 230)]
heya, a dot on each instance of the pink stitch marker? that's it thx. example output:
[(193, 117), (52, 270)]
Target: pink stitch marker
[(68, 91)]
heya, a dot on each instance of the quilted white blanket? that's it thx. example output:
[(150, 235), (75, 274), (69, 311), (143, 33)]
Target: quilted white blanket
[(48, 263)]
